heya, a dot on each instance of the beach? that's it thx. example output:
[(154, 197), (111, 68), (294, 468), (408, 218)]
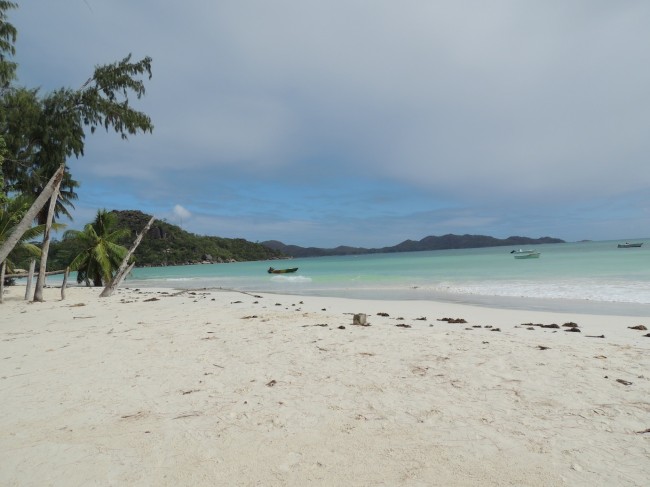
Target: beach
[(216, 387)]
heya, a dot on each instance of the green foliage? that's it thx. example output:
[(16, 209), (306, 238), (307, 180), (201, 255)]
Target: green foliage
[(7, 74), (43, 130), (12, 211), (104, 98), (165, 244), (38, 141), (3, 151), (101, 255), (8, 35)]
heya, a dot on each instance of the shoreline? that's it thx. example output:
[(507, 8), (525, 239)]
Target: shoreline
[(410, 293), (204, 387)]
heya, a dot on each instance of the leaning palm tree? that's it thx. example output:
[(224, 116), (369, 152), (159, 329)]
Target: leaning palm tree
[(12, 211), (101, 254)]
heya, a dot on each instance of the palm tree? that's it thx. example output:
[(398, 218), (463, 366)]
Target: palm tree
[(12, 211), (101, 255)]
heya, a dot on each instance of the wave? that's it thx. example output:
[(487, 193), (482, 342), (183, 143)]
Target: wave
[(613, 292), (295, 279)]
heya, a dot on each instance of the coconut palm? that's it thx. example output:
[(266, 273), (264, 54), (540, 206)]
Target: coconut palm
[(12, 211), (101, 254)]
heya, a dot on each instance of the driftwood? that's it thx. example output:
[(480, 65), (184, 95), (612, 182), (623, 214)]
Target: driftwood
[(40, 281), (124, 268), (26, 222)]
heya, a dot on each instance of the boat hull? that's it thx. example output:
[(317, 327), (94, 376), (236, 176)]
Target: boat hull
[(282, 271), (528, 255), (629, 245)]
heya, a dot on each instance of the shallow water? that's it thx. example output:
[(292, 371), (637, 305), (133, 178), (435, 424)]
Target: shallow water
[(587, 276)]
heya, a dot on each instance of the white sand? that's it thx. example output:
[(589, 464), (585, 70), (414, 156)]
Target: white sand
[(224, 388)]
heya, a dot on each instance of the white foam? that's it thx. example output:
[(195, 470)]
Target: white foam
[(281, 278), (612, 292)]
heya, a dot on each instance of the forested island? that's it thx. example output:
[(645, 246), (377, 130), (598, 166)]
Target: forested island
[(166, 244), (444, 242)]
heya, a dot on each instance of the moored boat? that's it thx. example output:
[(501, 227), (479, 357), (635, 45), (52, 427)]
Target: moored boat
[(282, 271), (628, 245), (526, 254)]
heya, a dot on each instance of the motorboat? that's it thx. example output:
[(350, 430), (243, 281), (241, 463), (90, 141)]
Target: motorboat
[(628, 245), (282, 271), (526, 254)]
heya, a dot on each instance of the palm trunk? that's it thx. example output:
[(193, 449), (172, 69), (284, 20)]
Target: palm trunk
[(2, 280), (40, 281), (65, 283), (27, 220), (123, 271), (30, 277)]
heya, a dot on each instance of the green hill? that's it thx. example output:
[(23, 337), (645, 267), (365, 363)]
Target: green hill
[(167, 244)]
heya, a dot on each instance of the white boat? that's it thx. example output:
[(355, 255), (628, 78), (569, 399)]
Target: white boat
[(628, 245), (526, 254)]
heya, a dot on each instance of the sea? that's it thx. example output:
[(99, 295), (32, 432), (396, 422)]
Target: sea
[(585, 277)]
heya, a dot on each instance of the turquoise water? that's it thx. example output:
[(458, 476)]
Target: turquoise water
[(586, 272)]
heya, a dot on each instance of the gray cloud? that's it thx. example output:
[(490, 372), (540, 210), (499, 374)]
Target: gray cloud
[(484, 105)]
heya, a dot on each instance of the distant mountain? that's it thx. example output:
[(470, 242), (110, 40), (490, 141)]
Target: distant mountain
[(444, 242)]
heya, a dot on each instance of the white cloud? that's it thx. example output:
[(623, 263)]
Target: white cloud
[(181, 213)]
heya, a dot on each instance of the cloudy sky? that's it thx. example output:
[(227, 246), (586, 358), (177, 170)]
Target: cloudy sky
[(364, 122)]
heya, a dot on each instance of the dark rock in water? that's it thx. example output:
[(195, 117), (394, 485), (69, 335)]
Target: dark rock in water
[(575, 330), (552, 325), (570, 324)]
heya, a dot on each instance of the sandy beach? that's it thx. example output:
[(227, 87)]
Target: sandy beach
[(203, 388)]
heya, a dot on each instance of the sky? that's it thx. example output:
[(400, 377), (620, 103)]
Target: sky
[(364, 122)]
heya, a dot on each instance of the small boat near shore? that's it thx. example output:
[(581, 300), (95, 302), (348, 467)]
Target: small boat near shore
[(526, 254), (628, 245), (282, 271)]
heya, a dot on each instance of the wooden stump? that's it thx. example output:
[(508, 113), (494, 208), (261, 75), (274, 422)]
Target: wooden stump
[(359, 319)]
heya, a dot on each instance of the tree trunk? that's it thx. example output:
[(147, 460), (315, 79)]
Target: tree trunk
[(2, 280), (30, 276), (27, 220), (123, 271), (65, 283), (40, 281), (119, 279)]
